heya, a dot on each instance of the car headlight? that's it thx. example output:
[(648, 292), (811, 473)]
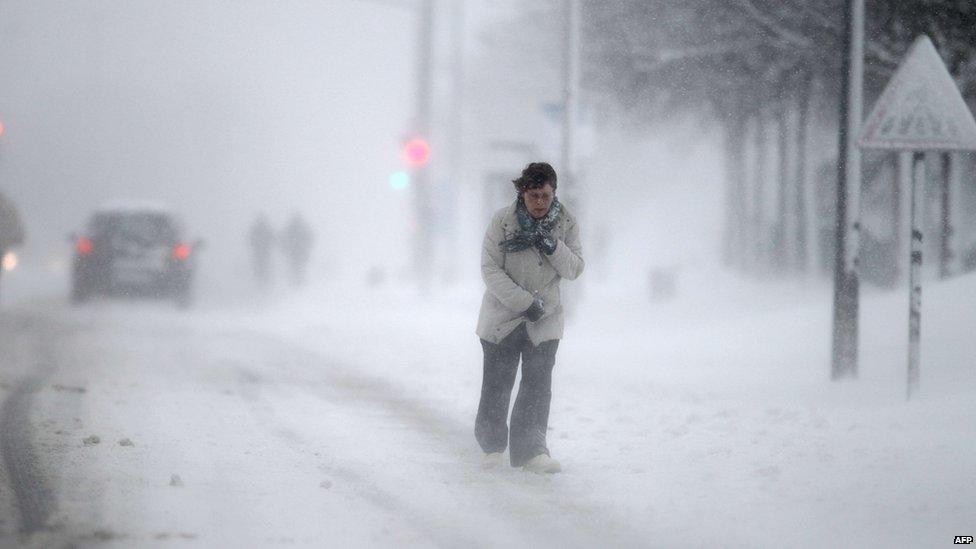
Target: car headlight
[(9, 261)]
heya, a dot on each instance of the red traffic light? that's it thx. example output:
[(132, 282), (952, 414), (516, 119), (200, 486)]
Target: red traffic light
[(416, 152), (84, 246), (1, 128), (181, 252)]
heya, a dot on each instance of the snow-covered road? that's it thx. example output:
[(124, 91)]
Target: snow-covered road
[(342, 417), (151, 427)]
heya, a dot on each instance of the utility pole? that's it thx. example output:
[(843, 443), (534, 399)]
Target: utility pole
[(845, 329), (423, 210), (456, 148), (420, 130), (571, 24)]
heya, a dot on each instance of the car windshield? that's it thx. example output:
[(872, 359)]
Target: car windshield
[(145, 227)]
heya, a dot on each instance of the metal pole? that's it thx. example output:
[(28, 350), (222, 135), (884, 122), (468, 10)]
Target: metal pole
[(845, 329), (456, 133), (421, 185), (914, 276), (570, 101)]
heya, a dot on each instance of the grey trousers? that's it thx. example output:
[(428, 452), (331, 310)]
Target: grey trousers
[(530, 416)]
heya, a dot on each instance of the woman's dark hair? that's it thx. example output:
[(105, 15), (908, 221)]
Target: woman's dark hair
[(535, 176)]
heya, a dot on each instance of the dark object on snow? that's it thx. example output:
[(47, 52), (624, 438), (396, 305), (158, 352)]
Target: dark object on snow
[(530, 416), (664, 284), (535, 311)]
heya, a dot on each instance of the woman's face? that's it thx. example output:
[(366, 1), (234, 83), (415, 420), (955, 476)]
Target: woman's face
[(538, 201)]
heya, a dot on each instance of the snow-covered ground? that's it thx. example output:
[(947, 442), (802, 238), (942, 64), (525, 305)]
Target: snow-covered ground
[(711, 419), (342, 416)]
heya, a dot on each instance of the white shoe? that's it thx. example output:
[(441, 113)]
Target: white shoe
[(493, 460), (542, 464)]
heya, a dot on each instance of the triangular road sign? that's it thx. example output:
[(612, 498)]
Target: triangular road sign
[(921, 108)]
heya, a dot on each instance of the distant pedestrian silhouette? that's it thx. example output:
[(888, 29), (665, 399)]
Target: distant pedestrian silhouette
[(261, 240), (296, 244)]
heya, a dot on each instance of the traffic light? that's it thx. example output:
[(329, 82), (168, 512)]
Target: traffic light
[(399, 180), (416, 152), (1, 128)]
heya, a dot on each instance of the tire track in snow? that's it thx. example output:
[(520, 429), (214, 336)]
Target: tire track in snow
[(265, 415), (512, 496), (33, 497)]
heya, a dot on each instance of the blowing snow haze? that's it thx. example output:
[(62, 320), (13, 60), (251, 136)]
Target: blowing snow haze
[(265, 279), (222, 109)]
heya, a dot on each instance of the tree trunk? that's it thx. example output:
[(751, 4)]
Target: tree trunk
[(759, 231), (734, 250), (802, 130), (779, 246)]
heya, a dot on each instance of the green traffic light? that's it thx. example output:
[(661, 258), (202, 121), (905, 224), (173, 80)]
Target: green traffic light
[(399, 180)]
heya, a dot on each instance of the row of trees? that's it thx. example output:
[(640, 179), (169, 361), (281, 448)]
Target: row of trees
[(768, 73)]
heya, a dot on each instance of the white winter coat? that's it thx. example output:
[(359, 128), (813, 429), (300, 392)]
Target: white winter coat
[(513, 279)]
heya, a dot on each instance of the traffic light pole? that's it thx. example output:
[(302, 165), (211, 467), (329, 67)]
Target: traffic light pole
[(423, 209), (570, 102), (456, 133)]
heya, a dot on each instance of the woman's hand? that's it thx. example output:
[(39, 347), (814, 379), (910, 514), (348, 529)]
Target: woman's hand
[(535, 311), (544, 241)]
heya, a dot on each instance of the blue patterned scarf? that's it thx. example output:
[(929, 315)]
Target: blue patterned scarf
[(532, 231)]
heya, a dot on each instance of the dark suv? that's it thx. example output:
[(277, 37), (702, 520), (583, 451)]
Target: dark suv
[(133, 250)]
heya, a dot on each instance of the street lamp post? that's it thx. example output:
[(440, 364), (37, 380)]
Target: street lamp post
[(421, 188), (421, 129), (846, 285), (571, 24)]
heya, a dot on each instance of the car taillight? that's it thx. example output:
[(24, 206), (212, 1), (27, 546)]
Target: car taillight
[(181, 252), (84, 246)]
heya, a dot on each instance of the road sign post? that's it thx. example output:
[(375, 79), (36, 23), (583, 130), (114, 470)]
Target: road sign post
[(920, 110), (914, 273)]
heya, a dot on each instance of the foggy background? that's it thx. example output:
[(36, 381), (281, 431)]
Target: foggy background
[(690, 120), (224, 110), (221, 109)]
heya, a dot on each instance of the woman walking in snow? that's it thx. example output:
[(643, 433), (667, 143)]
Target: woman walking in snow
[(530, 246)]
